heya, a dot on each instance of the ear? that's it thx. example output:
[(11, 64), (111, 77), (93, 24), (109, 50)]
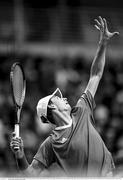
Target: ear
[(43, 119), (52, 106)]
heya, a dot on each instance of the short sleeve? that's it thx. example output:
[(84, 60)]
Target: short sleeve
[(108, 165), (89, 100), (45, 153)]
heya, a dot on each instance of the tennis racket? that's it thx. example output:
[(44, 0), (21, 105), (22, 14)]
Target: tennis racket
[(18, 87)]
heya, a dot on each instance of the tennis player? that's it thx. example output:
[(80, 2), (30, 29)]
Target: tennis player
[(74, 144)]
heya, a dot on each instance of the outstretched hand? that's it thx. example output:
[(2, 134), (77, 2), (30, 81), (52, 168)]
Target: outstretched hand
[(105, 34)]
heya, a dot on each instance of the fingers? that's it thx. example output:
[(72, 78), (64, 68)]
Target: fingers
[(97, 27), (100, 23), (105, 24), (15, 139), (16, 143), (13, 134), (105, 34), (97, 22)]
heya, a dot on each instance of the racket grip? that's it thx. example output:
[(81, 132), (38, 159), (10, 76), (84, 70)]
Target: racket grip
[(17, 130)]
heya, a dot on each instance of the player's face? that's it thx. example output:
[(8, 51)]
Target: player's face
[(61, 103)]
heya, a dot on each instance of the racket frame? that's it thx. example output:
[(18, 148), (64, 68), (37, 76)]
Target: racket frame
[(17, 107)]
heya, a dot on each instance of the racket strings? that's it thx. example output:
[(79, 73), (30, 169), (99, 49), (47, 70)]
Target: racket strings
[(18, 85)]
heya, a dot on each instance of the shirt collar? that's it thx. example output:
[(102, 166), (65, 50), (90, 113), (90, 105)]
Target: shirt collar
[(65, 126)]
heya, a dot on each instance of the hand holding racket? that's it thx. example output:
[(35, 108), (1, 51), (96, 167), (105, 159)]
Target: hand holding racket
[(18, 86), (17, 146)]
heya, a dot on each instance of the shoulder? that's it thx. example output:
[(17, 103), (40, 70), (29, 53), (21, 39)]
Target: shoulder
[(88, 99), (46, 142)]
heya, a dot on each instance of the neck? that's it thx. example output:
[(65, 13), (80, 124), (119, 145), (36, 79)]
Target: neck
[(61, 118)]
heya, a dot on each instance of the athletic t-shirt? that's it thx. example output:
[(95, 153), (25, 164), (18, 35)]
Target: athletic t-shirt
[(79, 150)]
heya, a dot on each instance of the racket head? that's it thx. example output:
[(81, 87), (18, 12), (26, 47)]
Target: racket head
[(18, 85)]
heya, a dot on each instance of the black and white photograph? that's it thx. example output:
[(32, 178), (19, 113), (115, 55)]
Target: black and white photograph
[(61, 89)]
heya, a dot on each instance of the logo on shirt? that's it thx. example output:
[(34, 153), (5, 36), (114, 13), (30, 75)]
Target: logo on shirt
[(63, 140)]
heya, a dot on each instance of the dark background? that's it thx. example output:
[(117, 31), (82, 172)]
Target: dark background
[(56, 41)]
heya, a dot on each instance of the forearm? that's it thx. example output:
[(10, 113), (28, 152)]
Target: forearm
[(22, 163), (30, 170), (98, 63), (24, 167)]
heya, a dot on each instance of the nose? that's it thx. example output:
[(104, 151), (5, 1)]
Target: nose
[(65, 99)]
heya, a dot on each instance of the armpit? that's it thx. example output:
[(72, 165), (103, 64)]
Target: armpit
[(37, 164), (35, 168)]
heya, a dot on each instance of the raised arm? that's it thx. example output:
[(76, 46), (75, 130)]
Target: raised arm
[(33, 169), (98, 63)]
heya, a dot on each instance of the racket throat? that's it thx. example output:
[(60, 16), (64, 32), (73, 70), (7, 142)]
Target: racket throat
[(18, 114), (17, 124)]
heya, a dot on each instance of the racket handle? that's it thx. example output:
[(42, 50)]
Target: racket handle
[(17, 128)]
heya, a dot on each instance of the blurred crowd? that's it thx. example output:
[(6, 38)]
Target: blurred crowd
[(43, 75)]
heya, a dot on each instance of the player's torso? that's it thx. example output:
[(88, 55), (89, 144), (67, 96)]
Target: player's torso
[(80, 150)]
